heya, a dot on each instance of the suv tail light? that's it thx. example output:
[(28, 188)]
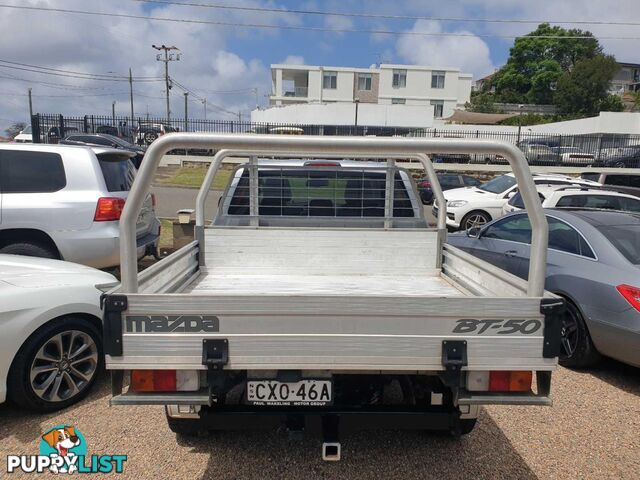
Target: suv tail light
[(108, 209), (153, 200), (424, 184), (630, 294)]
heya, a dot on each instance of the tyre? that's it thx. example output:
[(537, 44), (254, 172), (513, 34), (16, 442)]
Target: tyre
[(149, 137), (30, 250), (576, 348), (56, 366), (186, 427), (474, 219), (619, 165), (467, 425)]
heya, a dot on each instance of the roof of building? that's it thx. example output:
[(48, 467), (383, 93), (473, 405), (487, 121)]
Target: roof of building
[(475, 118)]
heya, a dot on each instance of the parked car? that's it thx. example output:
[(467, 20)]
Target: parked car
[(105, 140), (54, 136), (475, 206), (447, 182), (538, 154), (573, 156), (51, 342), (593, 262), (624, 157), (24, 136), (620, 182), (64, 202), (451, 158), (148, 132), (581, 197)]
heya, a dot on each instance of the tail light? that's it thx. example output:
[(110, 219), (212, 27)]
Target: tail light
[(424, 184), (153, 200), (108, 209), (164, 381), (510, 381), (630, 294)]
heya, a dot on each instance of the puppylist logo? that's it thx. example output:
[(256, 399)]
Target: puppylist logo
[(63, 449)]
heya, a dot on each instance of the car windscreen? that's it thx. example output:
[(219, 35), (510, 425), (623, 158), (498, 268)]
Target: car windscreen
[(625, 238), (498, 184), (26, 129), (518, 202), (321, 193), (118, 172)]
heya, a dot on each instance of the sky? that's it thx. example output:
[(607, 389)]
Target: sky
[(223, 64)]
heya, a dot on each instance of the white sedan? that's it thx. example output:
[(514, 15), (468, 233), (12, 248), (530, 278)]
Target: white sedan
[(51, 324), (474, 206)]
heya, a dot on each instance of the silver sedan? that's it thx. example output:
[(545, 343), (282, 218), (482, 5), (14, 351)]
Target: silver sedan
[(593, 262)]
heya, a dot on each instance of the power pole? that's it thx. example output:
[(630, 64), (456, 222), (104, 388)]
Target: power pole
[(186, 111), (113, 112), (131, 100), (166, 58), (239, 117), (204, 102), (30, 105)]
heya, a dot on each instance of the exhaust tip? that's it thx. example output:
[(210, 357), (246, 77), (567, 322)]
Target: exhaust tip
[(331, 451)]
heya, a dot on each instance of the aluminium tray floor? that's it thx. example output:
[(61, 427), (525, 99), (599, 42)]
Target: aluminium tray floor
[(326, 285)]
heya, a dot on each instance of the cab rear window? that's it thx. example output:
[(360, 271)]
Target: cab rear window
[(321, 193)]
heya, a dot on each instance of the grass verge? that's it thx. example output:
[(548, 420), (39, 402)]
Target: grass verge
[(194, 176)]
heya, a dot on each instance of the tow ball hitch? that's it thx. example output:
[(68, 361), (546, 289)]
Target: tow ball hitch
[(331, 448)]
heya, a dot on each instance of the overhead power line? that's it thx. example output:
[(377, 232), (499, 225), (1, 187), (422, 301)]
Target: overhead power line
[(66, 75), (383, 16), (60, 86), (10, 94), (306, 28), (101, 75)]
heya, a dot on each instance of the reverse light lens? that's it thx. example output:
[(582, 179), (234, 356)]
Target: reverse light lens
[(630, 294), (108, 209), (510, 381), (456, 203)]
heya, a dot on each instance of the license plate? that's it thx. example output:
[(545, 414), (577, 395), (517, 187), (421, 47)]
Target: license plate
[(302, 393)]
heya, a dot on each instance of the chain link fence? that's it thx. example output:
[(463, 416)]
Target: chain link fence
[(598, 150)]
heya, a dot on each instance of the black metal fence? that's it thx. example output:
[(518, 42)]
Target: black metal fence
[(553, 149)]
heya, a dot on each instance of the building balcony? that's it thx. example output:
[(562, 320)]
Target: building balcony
[(297, 92)]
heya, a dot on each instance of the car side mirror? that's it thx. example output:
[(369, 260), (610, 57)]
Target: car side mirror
[(473, 232)]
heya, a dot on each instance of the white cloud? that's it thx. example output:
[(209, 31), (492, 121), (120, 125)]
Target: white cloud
[(469, 53), (294, 60)]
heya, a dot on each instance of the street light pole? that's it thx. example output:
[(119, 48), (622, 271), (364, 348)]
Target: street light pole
[(131, 100), (519, 123), (204, 102), (186, 112), (30, 105), (166, 58), (113, 112), (357, 102)]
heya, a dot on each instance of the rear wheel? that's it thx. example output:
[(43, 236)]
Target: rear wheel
[(29, 249), (474, 219), (577, 349)]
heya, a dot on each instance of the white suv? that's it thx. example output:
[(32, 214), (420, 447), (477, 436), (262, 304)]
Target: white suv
[(474, 206), (577, 197), (65, 202)]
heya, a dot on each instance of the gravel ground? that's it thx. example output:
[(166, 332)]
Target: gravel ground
[(592, 431)]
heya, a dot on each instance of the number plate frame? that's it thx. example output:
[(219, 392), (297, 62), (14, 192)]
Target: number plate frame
[(273, 391)]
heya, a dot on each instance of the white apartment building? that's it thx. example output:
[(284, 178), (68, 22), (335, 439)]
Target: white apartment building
[(387, 94)]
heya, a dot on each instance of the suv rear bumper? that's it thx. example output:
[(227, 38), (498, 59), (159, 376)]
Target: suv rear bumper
[(99, 246)]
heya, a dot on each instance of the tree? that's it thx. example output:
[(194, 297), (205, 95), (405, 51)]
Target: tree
[(536, 63), (15, 129), (584, 90), (481, 103)]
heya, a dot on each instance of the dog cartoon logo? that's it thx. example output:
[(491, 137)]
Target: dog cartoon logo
[(66, 442)]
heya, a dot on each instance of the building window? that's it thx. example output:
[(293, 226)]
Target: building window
[(364, 81), (399, 78), (330, 80), (398, 101), (437, 79), (438, 108)]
